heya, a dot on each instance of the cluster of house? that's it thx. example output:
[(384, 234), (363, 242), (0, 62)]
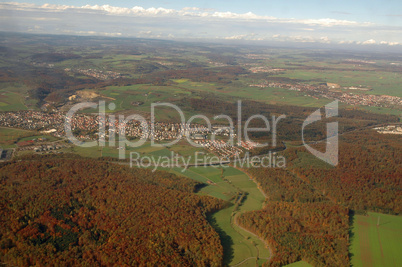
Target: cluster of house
[(249, 145), (289, 86), (220, 147), (98, 74), (325, 91), (34, 120), (158, 131), (40, 144), (370, 100), (46, 148), (87, 127), (390, 129), (265, 70)]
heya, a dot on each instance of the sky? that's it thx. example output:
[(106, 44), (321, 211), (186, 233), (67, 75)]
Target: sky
[(329, 22)]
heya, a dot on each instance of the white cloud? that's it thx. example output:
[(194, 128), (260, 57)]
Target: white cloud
[(346, 42), (389, 43), (325, 40), (95, 33), (137, 10), (236, 37), (371, 41), (145, 32), (249, 36), (327, 22), (190, 22), (191, 8), (185, 12), (42, 18)]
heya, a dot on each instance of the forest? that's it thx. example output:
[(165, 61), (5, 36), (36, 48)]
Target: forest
[(313, 232), (309, 206), (298, 222), (288, 128), (85, 212), (368, 177)]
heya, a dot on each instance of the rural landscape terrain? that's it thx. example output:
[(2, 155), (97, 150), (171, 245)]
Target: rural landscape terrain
[(199, 201)]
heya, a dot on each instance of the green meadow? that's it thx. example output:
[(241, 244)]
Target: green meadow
[(266, 95), (225, 182), (10, 136), (376, 240), (13, 97), (299, 264)]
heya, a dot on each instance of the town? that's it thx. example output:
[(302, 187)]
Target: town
[(85, 127)]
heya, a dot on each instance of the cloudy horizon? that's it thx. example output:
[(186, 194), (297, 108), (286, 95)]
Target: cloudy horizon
[(197, 23)]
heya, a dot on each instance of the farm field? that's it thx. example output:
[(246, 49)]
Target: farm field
[(11, 101), (113, 151), (13, 134), (146, 150), (373, 245), (12, 97), (266, 95), (380, 82), (9, 136)]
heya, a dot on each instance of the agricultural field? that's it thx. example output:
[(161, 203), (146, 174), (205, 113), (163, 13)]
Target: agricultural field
[(381, 82), (376, 240), (183, 150), (10, 136), (14, 96), (113, 151), (266, 95)]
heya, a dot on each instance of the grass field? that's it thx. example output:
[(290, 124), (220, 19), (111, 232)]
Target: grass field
[(307, 159), (266, 95), (11, 101), (183, 150), (373, 245), (138, 99), (113, 151), (238, 244), (380, 82), (9, 136), (382, 110), (12, 97), (299, 264)]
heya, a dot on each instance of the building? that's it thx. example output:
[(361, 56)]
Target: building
[(199, 136)]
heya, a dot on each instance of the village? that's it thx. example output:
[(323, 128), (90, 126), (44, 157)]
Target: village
[(98, 74), (332, 91), (86, 127)]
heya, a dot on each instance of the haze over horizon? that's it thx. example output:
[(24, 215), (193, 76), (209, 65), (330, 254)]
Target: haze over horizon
[(360, 23)]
